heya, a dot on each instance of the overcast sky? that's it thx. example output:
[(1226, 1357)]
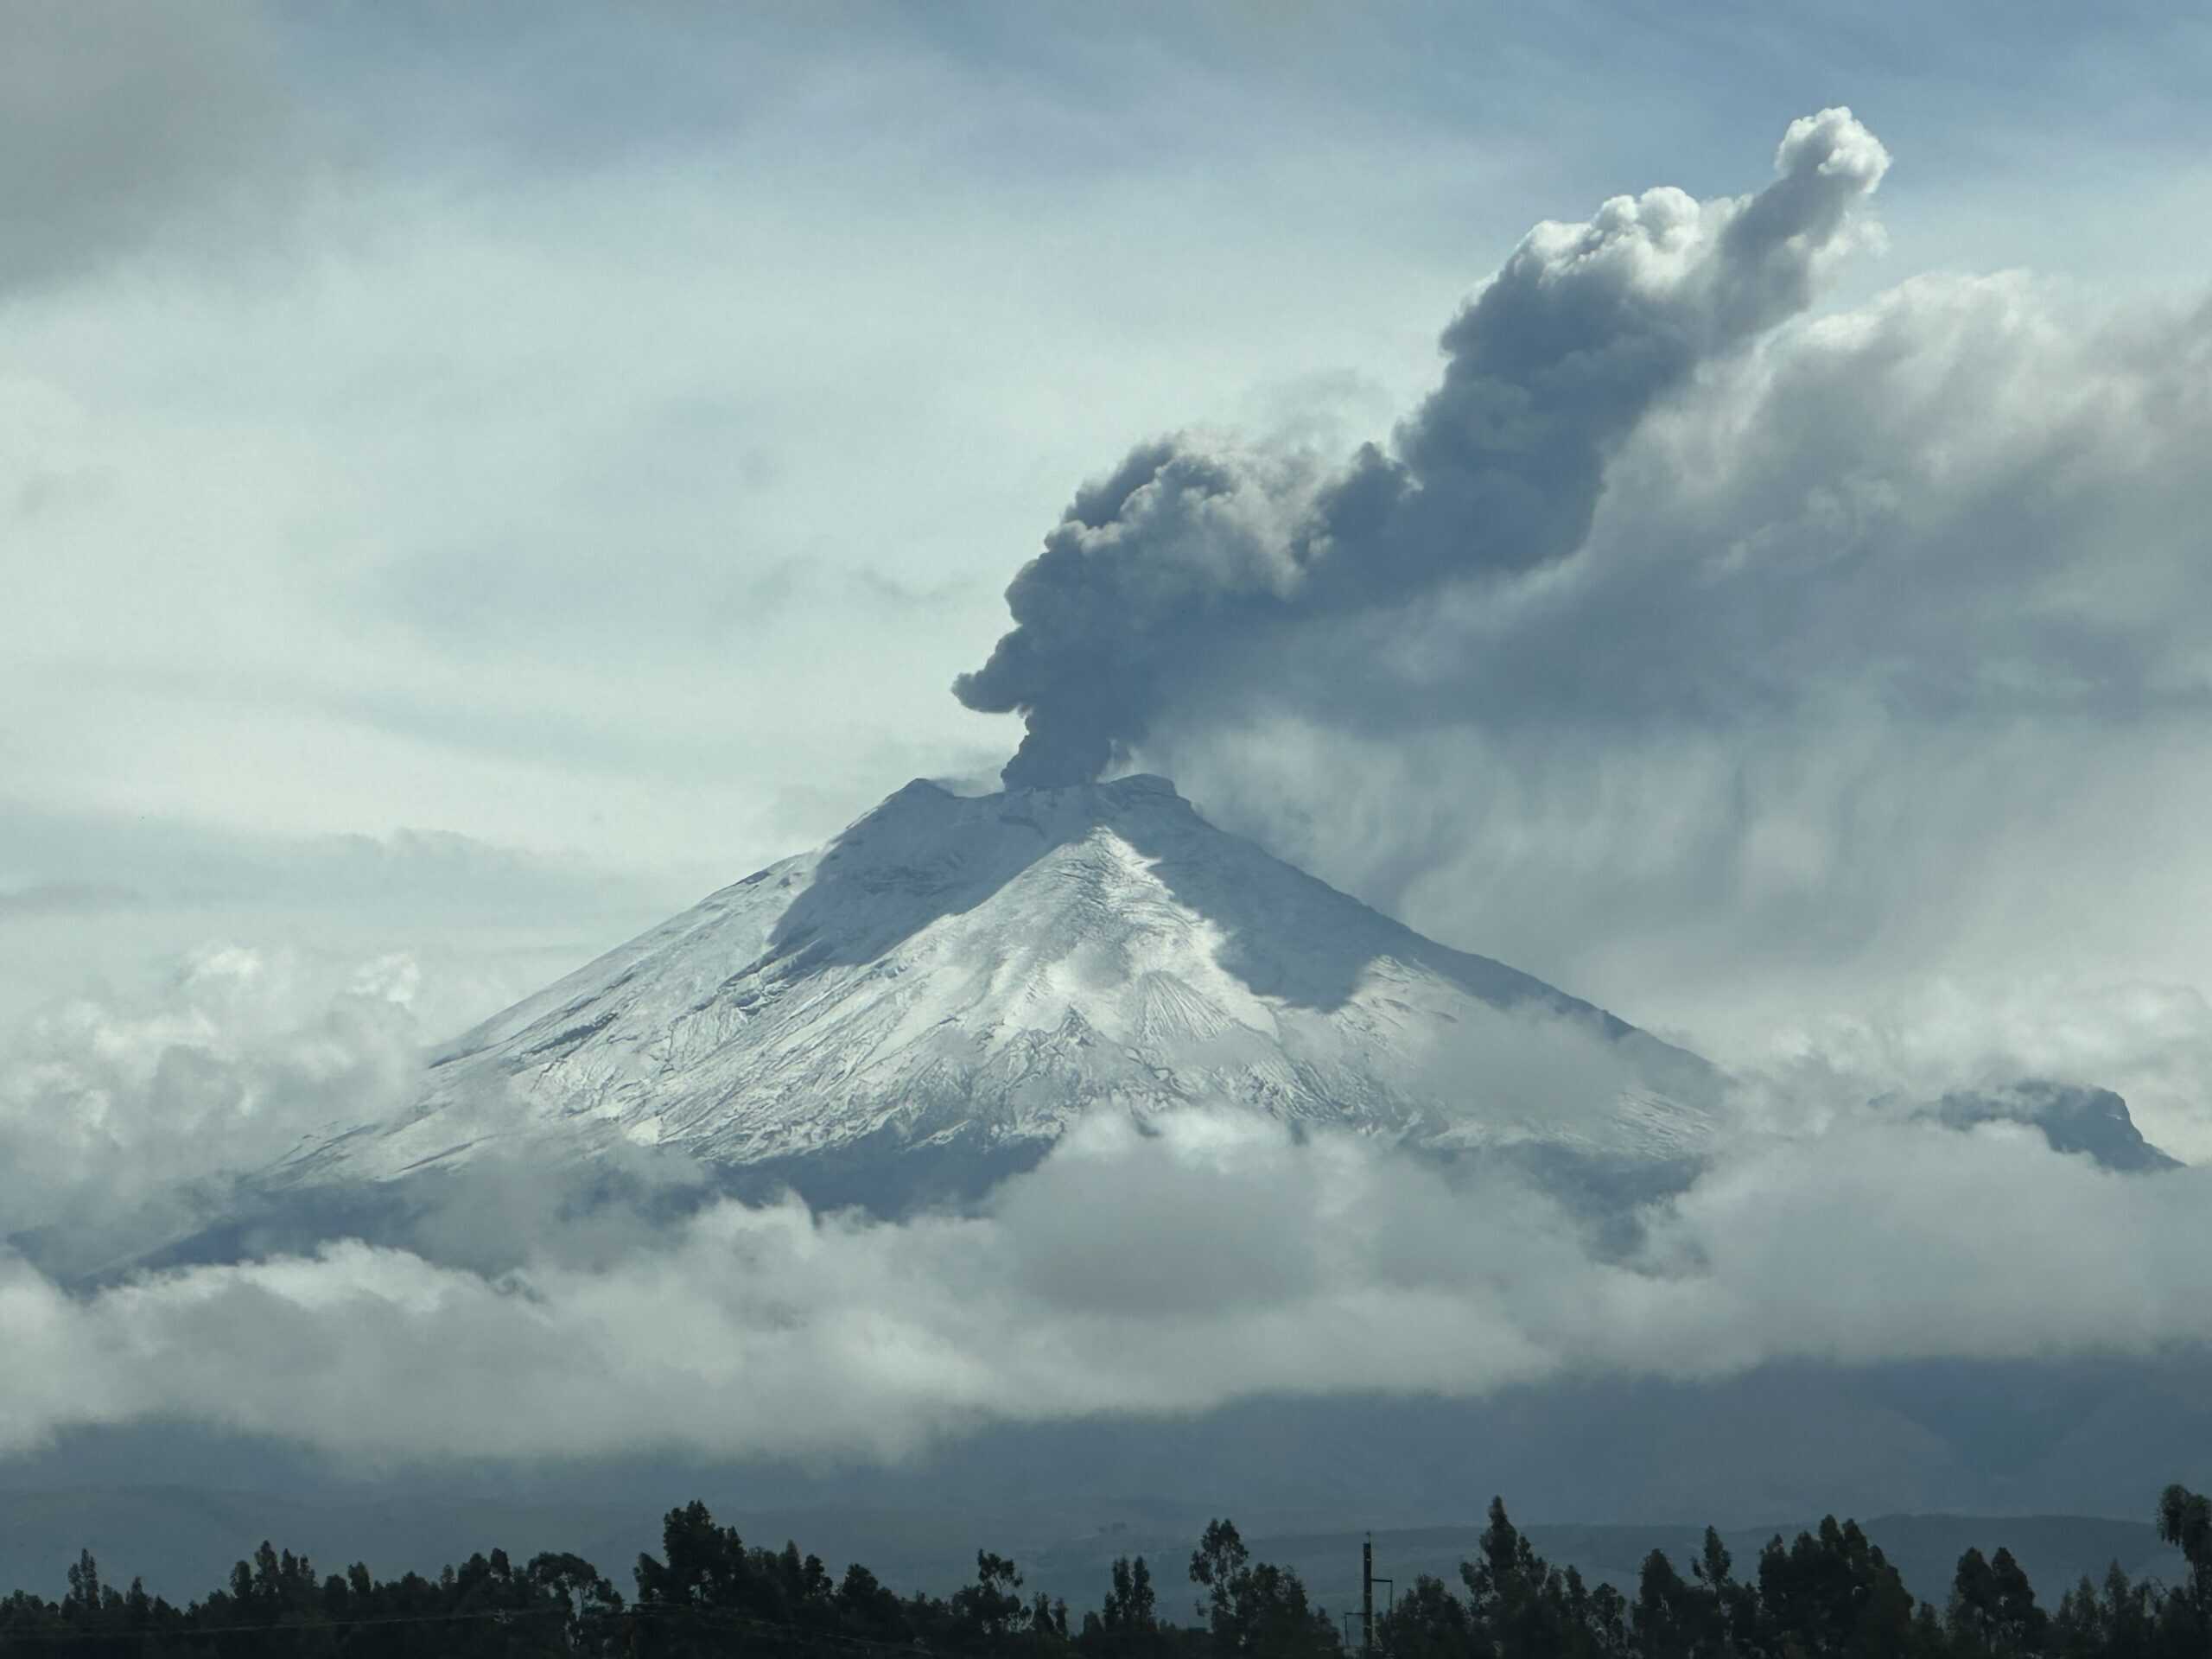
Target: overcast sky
[(560, 462), (473, 480), (495, 478)]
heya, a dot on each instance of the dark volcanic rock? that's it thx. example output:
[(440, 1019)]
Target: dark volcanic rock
[(2074, 1119)]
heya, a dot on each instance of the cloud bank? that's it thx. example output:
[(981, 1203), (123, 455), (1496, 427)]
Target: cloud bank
[(527, 1310), (1212, 1262), (121, 1117)]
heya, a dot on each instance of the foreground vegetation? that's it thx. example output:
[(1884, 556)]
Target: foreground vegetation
[(1828, 1593)]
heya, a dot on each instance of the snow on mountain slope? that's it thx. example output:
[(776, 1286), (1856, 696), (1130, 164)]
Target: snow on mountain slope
[(976, 972)]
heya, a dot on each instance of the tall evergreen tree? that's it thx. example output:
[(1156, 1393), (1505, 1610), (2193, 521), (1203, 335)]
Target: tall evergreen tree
[(2185, 1523)]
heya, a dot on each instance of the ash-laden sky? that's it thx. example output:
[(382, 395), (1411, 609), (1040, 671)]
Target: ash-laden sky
[(1193, 576), (1708, 508)]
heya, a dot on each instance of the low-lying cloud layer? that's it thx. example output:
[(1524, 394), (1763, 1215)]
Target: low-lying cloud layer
[(113, 1108), (1214, 1261)]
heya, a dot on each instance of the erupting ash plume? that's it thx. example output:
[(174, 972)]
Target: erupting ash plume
[(1193, 568)]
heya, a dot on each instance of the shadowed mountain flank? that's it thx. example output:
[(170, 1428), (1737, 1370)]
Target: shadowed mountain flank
[(2088, 1123)]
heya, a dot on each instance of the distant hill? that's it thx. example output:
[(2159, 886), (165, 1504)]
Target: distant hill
[(182, 1541), (2054, 1550)]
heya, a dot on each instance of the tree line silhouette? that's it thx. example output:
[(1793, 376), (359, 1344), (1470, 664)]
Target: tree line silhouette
[(1828, 1593)]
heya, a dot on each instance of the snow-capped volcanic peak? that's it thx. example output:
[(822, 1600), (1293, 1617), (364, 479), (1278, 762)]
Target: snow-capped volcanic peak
[(957, 970)]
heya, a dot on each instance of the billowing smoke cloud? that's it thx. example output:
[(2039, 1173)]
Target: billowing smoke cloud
[(1875, 692), (1876, 697), (1166, 573)]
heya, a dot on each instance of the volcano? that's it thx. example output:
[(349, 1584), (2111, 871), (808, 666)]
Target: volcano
[(936, 995)]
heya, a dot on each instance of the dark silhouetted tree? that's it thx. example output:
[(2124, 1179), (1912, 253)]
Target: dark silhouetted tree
[(1992, 1608), (2185, 1523), (991, 1609), (1255, 1607)]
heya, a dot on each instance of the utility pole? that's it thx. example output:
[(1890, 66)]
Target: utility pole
[(1367, 1583), (1367, 1599)]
